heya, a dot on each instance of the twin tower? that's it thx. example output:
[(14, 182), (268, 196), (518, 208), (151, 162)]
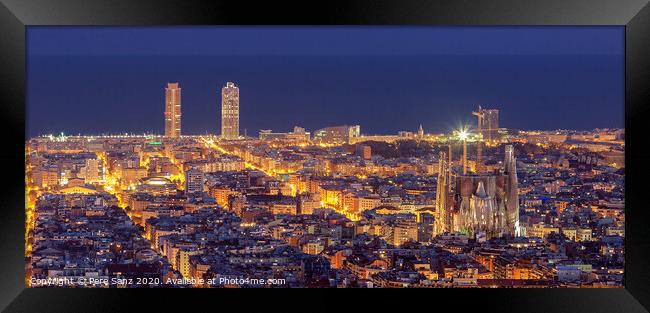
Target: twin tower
[(229, 111)]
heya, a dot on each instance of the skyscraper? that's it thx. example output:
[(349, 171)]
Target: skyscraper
[(490, 124), (230, 111), (172, 110)]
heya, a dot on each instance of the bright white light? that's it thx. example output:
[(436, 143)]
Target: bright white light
[(462, 134)]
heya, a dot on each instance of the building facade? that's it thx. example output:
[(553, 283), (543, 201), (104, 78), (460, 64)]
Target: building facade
[(173, 110), (490, 124), (481, 205), (230, 111), (337, 134), (194, 179)]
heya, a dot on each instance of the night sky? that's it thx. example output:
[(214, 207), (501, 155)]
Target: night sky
[(94, 80)]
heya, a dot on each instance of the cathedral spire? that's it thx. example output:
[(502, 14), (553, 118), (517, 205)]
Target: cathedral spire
[(480, 190), (512, 193)]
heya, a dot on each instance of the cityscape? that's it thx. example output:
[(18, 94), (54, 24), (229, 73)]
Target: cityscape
[(483, 205)]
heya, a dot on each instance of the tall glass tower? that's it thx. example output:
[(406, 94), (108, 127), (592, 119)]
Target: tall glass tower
[(490, 119), (230, 111), (173, 110)]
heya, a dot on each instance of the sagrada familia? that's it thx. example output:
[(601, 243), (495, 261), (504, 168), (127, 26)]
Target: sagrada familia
[(478, 204)]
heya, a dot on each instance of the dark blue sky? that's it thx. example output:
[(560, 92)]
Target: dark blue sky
[(93, 80)]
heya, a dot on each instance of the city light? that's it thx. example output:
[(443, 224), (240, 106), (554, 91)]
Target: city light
[(463, 134), (333, 209), (288, 176)]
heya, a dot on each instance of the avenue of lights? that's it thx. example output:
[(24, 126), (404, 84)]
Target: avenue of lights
[(478, 206)]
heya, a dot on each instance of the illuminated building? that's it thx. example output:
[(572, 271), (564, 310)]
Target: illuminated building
[(442, 188), (313, 247), (365, 202), (512, 268), (405, 231), (160, 211), (482, 205), (426, 220), (542, 231), (222, 195), (221, 164), (561, 206), (583, 234), (489, 124), (75, 181), (382, 138), (156, 186), (230, 111), (478, 210), (364, 151), (405, 134), (289, 208), (172, 110), (46, 177), (479, 205), (512, 194), (131, 175), (91, 171), (78, 190), (365, 217), (332, 195), (337, 258), (355, 131), (194, 180), (198, 269), (570, 233), (484, 211), (337, 135), (298, 136), (184, 255), (308, 202)]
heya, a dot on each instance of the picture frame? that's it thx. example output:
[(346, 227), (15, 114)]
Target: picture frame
[(16, 16)]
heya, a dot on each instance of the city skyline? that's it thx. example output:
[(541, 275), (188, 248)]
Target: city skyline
[(486, 124), (548, 213), (385, 157), (338, 86)]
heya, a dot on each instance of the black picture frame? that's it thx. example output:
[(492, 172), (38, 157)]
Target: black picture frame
[(16, 15)]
